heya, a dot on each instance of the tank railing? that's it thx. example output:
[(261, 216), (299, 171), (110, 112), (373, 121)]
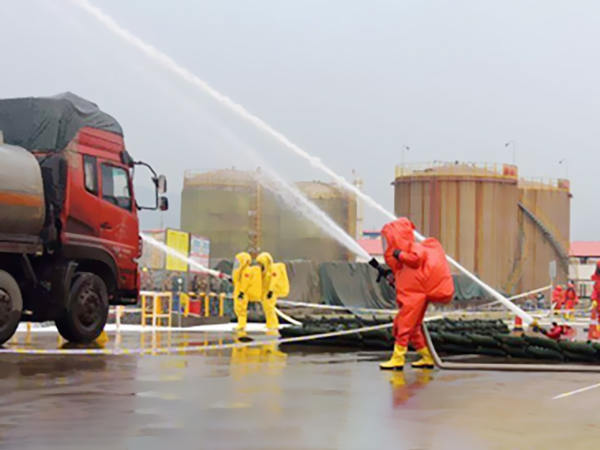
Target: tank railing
[(544, 183), (457, 168), (225, 177)]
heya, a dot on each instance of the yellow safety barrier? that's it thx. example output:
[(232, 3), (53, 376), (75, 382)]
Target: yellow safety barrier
[(222, 304), (152, 307), (184, 300)]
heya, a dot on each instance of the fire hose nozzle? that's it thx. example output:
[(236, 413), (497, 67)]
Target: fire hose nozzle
[(382, 273)]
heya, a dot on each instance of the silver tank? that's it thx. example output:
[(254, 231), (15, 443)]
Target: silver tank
[(22, 208)]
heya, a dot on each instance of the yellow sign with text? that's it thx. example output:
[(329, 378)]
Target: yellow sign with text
[(180, 242)]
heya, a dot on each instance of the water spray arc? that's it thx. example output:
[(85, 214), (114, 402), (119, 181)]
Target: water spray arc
[(291, 196), (170, 251), (169, 64)]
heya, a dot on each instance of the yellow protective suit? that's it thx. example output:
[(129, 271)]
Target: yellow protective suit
[(275, 284), (247, 287)]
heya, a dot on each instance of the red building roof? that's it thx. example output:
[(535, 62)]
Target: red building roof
[(372, 246), (589, 249)]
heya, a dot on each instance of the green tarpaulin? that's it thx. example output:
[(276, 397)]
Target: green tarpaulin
[(353, 284), (305, 284)]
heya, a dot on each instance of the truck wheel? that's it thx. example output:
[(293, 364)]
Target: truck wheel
[(11, 305), (86, 311)]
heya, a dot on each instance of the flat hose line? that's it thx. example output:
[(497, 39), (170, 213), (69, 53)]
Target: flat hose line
[(446, 365)]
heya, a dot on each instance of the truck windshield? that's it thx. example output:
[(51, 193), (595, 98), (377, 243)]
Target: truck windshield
[(115, 186)]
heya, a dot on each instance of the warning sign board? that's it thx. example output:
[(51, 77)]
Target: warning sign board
[(180, 242)]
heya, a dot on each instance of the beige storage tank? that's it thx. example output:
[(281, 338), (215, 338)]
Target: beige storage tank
[(544, 221), (302, 239), (22, 207), (230, 208), (216, 205), (471, 208)]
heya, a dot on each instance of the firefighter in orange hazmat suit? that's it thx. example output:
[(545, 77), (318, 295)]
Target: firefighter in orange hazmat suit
[(421, 274), (558, 298), (571, 300)]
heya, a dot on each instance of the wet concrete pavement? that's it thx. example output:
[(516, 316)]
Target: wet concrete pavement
[(263, 397)]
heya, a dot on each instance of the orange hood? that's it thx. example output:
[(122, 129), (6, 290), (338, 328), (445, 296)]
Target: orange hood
[(399, 234)]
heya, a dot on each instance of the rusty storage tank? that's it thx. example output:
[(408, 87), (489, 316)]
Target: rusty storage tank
[(218, 205), (22, 207), (471, 208), (544, 231), (301, 239)]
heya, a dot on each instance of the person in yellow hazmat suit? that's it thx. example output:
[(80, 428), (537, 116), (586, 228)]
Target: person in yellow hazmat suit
[(275, 284), (247, 287)]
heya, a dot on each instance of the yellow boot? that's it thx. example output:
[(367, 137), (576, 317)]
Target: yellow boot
[(102, 340), (396, 362), (426, 361)]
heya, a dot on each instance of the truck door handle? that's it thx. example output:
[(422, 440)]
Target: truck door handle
[(105, 226)]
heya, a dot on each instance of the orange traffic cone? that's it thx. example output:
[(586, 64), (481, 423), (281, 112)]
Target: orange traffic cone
[(593, 331)]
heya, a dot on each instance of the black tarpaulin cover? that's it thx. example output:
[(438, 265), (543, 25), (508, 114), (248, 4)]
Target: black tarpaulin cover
[(50, 123), (304, 281), (355, 285)]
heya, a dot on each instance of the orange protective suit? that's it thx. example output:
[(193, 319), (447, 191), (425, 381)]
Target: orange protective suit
[(596, 280), (421, 274), (571, 298), (558, 297)]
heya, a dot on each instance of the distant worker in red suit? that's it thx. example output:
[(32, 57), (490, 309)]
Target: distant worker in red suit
[(571, 301), (558, 298)]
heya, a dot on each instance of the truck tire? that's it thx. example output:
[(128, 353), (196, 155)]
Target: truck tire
[(11, 306), (86, 311)]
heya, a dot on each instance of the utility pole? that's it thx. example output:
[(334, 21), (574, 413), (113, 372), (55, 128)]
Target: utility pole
[(513, 144), (565, 162), (405, 148)]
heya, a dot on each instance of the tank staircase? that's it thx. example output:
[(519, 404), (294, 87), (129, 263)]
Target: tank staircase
[(563, 257), (517, 272)]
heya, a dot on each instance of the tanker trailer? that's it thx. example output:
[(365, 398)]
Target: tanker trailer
[(22, 209)]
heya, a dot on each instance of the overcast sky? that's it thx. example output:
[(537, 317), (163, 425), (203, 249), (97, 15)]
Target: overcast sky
[(350, 81)]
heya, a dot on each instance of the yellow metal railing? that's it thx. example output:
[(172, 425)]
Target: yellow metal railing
[(152, 307), (457, 168), (541, 183), (205, 298)]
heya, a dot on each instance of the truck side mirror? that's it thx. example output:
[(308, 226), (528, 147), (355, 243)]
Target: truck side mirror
[(161, 184), (163, 203)]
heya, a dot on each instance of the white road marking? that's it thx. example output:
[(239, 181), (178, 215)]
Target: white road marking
[(576, 391)]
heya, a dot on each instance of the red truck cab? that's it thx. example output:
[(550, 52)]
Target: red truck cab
[(100, 214)]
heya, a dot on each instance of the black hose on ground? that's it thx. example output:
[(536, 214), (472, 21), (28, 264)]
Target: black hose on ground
[(447, 365)]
